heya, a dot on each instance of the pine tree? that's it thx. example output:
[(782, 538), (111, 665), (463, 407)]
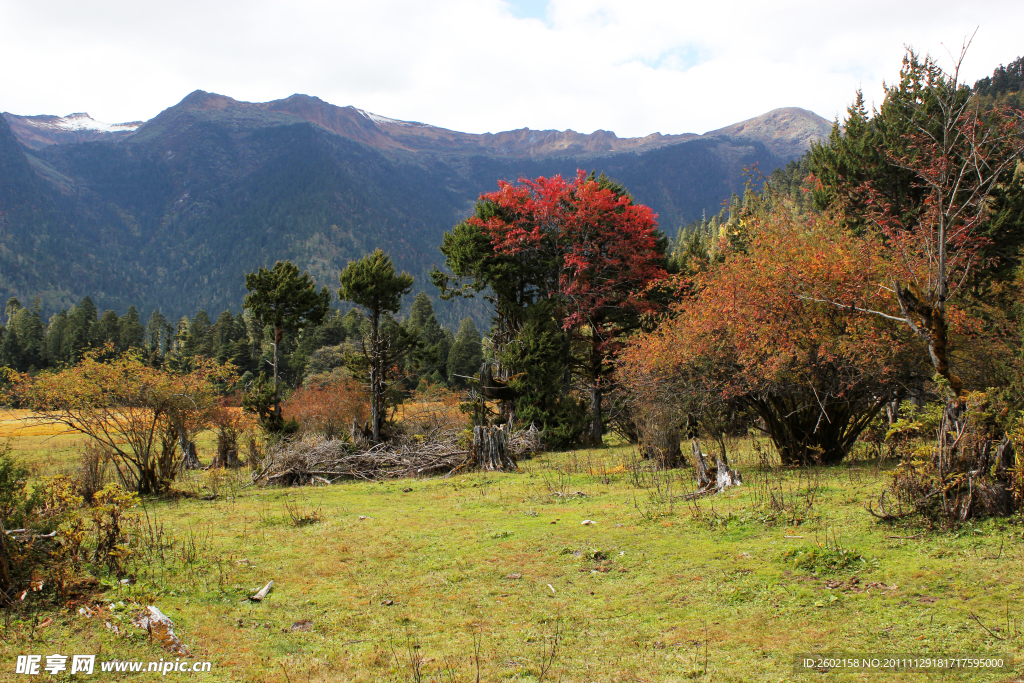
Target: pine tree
[(434, 360), (10, 350), (466, 354), (198, 337), (581, 250), (541, 355), (106, 330), (371, 282), (132, 333), (31, 336), (12, 307), (79, 330), (156, 333), (283, 299), (55, 334)]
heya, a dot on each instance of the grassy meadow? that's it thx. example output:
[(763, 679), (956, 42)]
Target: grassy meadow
[(584, 566)]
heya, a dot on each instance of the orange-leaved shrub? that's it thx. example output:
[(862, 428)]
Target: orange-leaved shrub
[(433, 409), (328, 405)]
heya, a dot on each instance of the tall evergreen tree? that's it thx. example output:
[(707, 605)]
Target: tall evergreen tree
[(466, 354), (371, 282), (10, 350), (55, 334), (31, 336), (198, 337), (12, 307), (582, 245), (106, 330), (541, 381), (284, 299), (79, 334), (132, 333), (434, 363), (156, 333)]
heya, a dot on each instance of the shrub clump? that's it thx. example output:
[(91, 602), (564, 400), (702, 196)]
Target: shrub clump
[(825, 559), (44, 530)]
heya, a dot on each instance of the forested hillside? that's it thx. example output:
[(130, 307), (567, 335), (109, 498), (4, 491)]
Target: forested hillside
[(171, 217)]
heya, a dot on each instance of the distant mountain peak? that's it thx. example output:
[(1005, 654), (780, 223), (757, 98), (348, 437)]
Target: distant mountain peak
[(787, 132), (206, 100), (76, 121), (41, 131)]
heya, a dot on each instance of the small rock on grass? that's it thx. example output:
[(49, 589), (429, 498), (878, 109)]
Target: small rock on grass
[(161, 629), (303, 625)]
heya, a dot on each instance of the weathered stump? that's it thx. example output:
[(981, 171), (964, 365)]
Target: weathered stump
[(713, 479), (726, 476), (705, 480), (227, 457), (491, 450), (189, 459), (361, 435)]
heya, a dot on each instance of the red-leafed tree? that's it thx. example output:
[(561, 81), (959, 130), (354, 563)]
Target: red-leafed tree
[(582, 244)]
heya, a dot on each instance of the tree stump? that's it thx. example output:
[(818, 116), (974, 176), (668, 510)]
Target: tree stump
[(226, 458), (189, 459), (713, 479), (491, 450), (705, 480), (726, 476), (361, 435)]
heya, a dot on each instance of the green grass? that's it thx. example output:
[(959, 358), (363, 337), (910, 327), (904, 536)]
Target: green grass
[(494, 570)]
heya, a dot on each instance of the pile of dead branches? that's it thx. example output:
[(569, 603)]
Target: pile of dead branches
[(318, 459), (524, 443)]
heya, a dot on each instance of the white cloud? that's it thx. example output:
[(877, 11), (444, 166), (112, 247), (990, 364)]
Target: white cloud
[(472, 65)]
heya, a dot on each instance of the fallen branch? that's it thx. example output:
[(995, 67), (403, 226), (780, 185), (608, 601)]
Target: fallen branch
[(263, 592)]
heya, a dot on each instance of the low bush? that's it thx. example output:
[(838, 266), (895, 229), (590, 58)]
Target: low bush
[(93, 471), (44, 530), (967, 470), (825, 559)]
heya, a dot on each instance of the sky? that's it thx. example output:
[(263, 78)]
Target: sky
[(477, 66)]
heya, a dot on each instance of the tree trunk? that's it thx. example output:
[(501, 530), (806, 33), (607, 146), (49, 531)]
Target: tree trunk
[(375, 379), (809, 431), (596, 392), (491, 450), (227, 456), (596, 423), (704, 477), (189, 458), (277, 339), (660, 443)]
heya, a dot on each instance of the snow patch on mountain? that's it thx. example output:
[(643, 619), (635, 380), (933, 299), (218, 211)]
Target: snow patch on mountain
[(79, 121), (377, 118)]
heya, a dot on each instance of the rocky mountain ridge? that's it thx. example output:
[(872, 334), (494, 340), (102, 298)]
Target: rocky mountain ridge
[(785, 132)]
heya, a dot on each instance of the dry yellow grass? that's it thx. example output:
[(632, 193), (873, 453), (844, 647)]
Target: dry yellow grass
[(46, 448), (49, 448), (16, 423)]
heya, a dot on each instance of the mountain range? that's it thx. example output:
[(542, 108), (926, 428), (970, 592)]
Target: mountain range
[(170, 213)]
